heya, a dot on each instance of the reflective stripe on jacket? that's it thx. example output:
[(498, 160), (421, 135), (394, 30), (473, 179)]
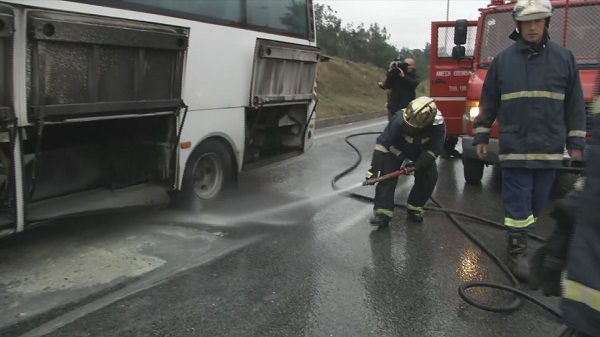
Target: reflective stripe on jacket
[(537, 100)]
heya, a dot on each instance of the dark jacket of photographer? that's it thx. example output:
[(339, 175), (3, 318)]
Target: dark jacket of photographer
[(402, 89)]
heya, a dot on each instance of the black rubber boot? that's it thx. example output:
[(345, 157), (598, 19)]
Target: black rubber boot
[(449, 148), (380, 220), (454, 153), (518, 262), (536, 279), (416, 216)]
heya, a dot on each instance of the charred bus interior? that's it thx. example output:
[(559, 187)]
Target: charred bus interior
[(77, 167), (7, 117), (282, 90), (74, 168), (274, 133), (6, 183), (103, 97)]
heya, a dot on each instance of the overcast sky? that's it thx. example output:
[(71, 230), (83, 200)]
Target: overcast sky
[(407, 21)]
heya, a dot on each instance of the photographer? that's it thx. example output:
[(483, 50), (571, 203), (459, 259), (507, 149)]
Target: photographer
[(401, 80)]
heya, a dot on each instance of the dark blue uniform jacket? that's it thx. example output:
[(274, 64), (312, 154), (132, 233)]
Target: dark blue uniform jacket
[(537, 100)]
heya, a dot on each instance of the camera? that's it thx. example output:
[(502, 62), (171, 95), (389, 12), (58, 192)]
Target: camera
[(399, 63)]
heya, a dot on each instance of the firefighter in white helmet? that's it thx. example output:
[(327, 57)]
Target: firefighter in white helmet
[(415, 133), (529, 10), (532, 89)]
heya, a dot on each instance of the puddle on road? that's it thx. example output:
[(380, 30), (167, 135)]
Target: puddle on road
[(52, 269), (84, 260), (52, 266)]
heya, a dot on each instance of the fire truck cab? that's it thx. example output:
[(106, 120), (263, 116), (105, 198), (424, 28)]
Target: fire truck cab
[(462, 51)]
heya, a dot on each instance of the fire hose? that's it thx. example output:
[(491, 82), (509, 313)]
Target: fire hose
[(514, 288), (394, 174)]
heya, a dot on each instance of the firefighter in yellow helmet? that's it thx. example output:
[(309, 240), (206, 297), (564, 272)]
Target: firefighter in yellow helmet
[(415, 133)]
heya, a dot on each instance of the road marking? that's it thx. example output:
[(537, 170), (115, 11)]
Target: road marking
[(353, 219), (338, 132)]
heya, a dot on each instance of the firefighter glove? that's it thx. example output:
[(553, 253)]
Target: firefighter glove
[(546, 273), (424, 160), (408, 164), (377, 163)]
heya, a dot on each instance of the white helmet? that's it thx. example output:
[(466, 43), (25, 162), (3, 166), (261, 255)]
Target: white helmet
[(420, 112), (527, 10)]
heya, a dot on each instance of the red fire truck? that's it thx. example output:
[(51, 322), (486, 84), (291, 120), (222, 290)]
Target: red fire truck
[(462, 51)]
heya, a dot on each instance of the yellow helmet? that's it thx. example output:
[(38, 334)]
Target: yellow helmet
[(420, 112), (527, 10)]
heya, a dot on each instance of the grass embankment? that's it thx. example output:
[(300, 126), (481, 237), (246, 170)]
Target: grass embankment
[(349, 88)]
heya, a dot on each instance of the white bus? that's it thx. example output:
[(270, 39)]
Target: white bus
[(107, 104)]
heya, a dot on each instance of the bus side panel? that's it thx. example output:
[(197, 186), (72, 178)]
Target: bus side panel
[(233, 71), (218, 71), (113, 66)]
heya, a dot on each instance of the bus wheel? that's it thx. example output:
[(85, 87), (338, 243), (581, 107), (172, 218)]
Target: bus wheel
[(473, 170), (209, 173)]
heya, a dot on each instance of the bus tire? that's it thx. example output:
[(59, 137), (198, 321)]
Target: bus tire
[(209, 175), (473, 170)]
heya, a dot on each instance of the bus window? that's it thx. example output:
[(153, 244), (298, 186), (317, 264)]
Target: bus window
[(283, 17), (286, 15), (225, 10)]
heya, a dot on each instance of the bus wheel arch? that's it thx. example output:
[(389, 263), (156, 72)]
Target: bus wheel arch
[(210, 173)]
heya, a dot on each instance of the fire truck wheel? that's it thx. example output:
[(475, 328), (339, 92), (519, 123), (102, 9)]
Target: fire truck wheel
[(473, 170), (209, 174)]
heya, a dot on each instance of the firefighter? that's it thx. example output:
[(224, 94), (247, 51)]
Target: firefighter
[(415, 133), (533, 90), (574, 247)]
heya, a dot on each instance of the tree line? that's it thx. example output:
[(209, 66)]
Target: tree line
[(363, 44)]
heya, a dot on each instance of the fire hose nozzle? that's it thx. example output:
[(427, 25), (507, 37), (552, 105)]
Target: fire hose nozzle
[(394, 174)]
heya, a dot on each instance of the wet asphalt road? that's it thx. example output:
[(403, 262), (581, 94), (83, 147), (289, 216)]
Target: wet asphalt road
[(285, 257)]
